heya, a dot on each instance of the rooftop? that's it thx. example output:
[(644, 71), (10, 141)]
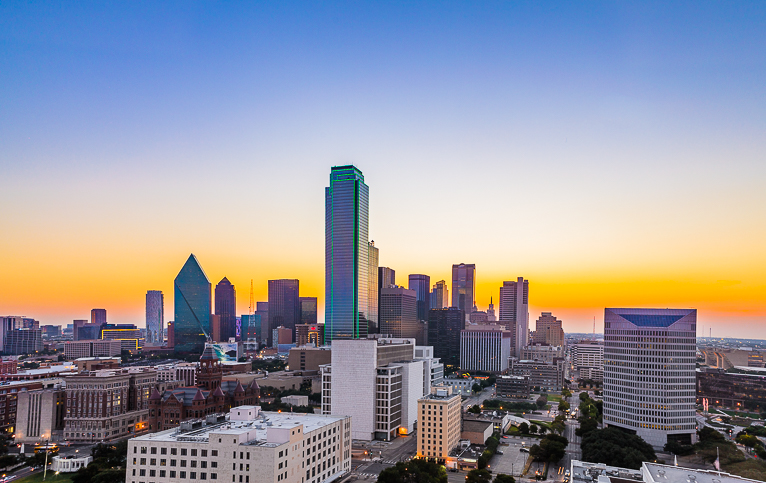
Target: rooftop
[(257, 428), (666, 473)]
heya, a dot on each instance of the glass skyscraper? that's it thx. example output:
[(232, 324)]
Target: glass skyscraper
[(155, 319), (463, 286), (421, 284), (226, 309), (346, 254), (192, 308)]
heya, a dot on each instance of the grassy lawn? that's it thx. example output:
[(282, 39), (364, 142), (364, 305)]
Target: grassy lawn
[(542, 424), (742, 414), (554, 398), (52, 477), (755, 469)]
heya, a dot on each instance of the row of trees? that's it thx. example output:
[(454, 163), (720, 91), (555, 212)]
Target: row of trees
[(108, 465), (511, 406), (425, 471)]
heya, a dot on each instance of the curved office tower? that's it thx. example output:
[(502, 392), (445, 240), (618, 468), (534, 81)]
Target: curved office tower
[(346, 254), (192, 308)]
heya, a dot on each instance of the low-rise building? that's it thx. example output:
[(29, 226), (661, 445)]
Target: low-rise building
[(477, 432), (70, 464), (40, 413), (542, 353), (308, 357), (296, 400), (438, 423), (460, 386), (97, 363), (108, 404), (542, 376), (77, 349), (588, 360), (744, 389), (246, 445), (582, 471), (512, 387)]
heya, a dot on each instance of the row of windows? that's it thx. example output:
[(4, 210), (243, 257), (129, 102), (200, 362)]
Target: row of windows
[(172, 474)]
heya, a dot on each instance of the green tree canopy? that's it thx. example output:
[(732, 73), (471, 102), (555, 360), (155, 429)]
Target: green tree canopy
[(616, 448), (503, 478), (478, 476), (414, 471)]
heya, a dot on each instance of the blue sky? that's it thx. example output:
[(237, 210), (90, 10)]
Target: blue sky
[(600, 141)]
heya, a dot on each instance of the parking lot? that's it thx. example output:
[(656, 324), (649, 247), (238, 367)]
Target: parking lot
[(512, 461)]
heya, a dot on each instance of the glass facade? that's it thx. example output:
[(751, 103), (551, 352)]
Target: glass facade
[(463, 286), (284, 304), (421, 284), (155, 319), (226, 309), (192, 308), (346, 254)]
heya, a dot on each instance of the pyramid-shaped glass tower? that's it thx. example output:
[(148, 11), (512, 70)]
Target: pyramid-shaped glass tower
[(192, 308)]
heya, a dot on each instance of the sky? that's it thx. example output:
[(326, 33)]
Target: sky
[(612, 153)]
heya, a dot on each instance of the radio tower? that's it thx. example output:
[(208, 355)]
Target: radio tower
[(251, 297)]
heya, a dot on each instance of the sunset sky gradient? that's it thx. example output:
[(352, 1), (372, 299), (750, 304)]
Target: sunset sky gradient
[(614, 154)]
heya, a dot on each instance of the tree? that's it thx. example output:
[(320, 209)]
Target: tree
[(524, 428), (710, 434), (616, 448), (748, 440), (533, 429), (7, 460), (542, 401), (503, 478), (476, 388), (478, 476), (563, 406), (551, 448), (475, 409), (679, 449), (414, 471)]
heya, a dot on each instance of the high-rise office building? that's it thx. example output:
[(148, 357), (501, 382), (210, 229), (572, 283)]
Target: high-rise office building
[(373, 290), (421, 284), (386, 277), (650, 373), (251, 327), (155, 318), (98, 316), (346, 254), (398, 312), (308, 310), (284, 304), (440, 295), (548, 331), (192, 308), (226, 309), (262, 309), (484, 348), (444, 326), (464, 287), (514, 312)]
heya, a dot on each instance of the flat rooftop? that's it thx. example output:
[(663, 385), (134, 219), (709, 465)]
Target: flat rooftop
[(666, 473), (255, 431)]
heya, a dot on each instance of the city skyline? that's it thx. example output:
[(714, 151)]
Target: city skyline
[(629, 137)]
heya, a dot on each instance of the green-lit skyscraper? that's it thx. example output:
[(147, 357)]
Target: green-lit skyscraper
[(192, 308), (346, 254)]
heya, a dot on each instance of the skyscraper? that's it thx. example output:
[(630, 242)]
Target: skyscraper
[(421, 284), (308, 310), (463, 287), (444, 326), (262, 309), (155, 318), (440, 295), (346, 254), (98, 316), (284, 304), (226, 309), (398, 312), (514, 311), (386, 277), (548, 331), (649, 373), (192, 308), (372, 288)]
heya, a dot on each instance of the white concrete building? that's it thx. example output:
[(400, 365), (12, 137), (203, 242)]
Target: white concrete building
[(70, 464), (377, 382), (247, 446), (459, 386), (485, 348), (433, 370), (649, 373), (542, 353), (588, 360), (514, 312)]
